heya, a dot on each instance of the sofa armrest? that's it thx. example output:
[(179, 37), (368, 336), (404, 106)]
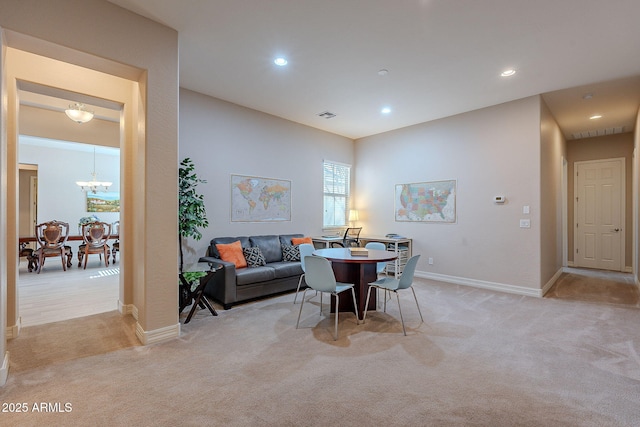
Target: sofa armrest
[(222, 285)]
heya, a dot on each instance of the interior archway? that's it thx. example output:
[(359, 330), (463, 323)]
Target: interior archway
[(35, 73)]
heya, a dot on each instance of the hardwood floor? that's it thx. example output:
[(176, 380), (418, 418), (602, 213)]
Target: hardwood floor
[(55, 295)]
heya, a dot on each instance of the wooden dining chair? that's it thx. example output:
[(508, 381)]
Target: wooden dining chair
[(115, 246), (51, 237), (95, 236)]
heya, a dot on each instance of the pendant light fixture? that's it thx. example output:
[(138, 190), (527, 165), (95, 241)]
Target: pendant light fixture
[(78, 113), (94, 183)]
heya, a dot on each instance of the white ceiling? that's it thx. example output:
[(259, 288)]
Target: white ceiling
[(443, 57)]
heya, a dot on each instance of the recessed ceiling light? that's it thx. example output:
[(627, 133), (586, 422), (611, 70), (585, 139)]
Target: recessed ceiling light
[(383, 72), (280, 61), (587, 96), (385, 110), (508, 73), (595, 116)]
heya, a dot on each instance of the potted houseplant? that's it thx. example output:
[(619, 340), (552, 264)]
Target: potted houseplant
[(86, 220), (191, 210), (191, 216)]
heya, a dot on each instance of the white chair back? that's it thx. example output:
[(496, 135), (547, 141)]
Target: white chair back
[(406, 279), (319, 274), (306, 249), (377, 246)]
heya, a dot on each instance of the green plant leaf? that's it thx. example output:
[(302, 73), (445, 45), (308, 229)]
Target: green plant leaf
[(191, 210)]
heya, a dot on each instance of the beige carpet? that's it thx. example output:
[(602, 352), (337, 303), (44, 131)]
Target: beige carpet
[(596, 286), (58, 342), (480, 359)]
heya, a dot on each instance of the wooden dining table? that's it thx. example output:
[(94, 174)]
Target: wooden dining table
[(71, 238), (358, 270)]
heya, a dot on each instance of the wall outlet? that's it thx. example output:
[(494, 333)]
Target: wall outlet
[(430, 261), (525, 223)]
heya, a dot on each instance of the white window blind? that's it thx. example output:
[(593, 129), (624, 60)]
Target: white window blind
[(337, 177)]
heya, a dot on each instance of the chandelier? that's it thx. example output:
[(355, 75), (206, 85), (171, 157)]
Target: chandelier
[(94, 183), (78, 113)]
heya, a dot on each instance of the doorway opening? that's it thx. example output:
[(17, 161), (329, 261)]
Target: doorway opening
[(55, 294), (587, 153), (599, 206)]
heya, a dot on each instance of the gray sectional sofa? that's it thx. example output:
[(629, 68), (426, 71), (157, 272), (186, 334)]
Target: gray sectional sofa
[(232, 285)]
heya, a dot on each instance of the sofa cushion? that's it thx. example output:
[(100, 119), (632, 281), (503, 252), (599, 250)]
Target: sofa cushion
[(285, 239), (254, 256), (232, 252), (290, 253), (213, 251), (270, 247), (286, 269), (301, 240), (248, 276)]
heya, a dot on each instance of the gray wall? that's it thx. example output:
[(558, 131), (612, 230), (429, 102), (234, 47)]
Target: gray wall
[(492, 151), (552, 154), (223, 139)]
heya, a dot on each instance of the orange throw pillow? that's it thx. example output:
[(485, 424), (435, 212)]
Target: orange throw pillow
[(299, 240), (232, 252)]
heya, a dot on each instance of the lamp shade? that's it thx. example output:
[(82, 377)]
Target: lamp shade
[(78, 113), (353, 215)]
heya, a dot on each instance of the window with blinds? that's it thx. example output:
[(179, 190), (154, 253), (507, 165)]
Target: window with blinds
[(337, 177)]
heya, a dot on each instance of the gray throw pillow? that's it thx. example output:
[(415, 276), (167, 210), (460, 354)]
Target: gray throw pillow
[(290, 253), (254, 257)]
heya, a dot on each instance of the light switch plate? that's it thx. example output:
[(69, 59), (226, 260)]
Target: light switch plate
[(525, 209)]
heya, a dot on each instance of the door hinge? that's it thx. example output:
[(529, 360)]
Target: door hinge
[(577, 199), (577, 251), (577, 225)]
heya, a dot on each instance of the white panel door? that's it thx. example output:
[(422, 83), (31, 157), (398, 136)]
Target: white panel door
[(599, 214)]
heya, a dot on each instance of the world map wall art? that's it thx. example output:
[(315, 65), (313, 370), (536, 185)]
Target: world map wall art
[(255, 199), (433, 201)]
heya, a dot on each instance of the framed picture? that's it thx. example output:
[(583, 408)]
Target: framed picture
[(108, 201), (256, 199), (433, 201)]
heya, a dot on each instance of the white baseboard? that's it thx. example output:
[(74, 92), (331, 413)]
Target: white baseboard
[(158, 335), (127, 309), (627, 269), (502, 287), (4, 369), (13, 331), (551, 281)]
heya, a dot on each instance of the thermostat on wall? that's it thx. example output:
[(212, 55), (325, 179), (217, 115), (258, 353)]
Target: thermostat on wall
[(499, 199)]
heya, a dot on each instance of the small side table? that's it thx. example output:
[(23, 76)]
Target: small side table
[(186, 294)]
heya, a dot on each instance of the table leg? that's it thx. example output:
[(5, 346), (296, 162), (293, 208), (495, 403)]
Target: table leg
[(197, 296), (360, 274), (199, 300)]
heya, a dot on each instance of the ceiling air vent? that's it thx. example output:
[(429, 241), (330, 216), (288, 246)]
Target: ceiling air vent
[(327, 115), (598, 132)]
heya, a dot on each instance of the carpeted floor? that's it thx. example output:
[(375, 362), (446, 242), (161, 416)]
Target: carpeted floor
[(481, 358)]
